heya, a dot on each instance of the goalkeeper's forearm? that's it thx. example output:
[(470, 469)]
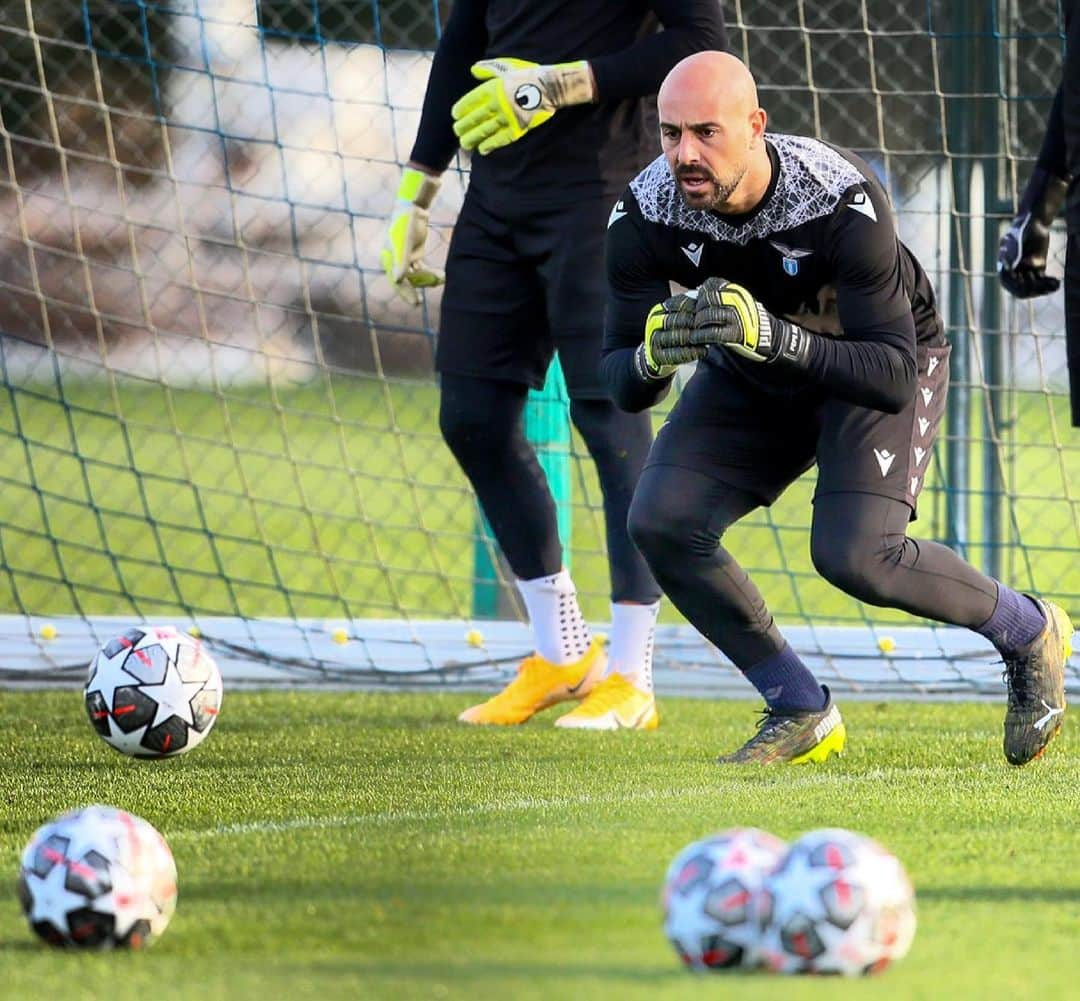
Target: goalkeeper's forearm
[(868, 373), (626, 386)]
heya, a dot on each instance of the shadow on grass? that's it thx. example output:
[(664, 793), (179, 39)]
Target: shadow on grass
[(1001, 894), (544, 969)]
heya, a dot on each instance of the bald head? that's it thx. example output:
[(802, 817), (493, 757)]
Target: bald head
[(712, 130), (714, 79)]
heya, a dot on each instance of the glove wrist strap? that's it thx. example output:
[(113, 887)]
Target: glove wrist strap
[(418, 188), (790, 347), (645, 371), (570, 83)]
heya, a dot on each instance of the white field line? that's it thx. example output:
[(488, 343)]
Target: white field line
[(541, 804)]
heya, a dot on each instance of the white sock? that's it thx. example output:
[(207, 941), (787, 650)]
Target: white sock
[(558, 626), (630, 652)]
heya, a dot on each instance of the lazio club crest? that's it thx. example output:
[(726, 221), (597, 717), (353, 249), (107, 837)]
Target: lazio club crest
[(790, 257)]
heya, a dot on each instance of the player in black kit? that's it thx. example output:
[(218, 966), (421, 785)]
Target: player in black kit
[(818, 340), (1055, 181), (557, 123)]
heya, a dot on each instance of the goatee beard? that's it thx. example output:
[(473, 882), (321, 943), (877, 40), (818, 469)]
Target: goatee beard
[(721, 192)]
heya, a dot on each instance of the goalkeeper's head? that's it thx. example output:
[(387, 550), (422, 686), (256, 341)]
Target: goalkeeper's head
[(712, 132)]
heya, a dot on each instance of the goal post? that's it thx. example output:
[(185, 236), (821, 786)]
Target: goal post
[(215, 413)]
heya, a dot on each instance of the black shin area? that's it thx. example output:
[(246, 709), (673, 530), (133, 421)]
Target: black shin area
[(482, 422), (618, 443), (859, 543)]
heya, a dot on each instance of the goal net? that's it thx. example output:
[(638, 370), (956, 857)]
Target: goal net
[(215, 413)]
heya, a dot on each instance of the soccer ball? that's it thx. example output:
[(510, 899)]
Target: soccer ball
[(837, 903), (153, 692), (710, 897), (97, 878)]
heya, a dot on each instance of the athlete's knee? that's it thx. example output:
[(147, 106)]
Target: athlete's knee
[(664, 532), (859, 566), (474, 425)]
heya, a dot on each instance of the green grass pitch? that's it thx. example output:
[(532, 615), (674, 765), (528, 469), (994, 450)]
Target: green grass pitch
[(353, 845)]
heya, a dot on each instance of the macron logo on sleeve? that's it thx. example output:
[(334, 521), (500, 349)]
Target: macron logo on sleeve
[(861, 203), (693, 253), (617, 212)]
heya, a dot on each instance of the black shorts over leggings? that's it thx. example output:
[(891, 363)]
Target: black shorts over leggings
[(520, 284)]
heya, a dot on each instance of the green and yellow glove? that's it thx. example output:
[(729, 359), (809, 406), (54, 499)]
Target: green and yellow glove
[(669, 329), (727, 315), (402, 257), (517, 96)]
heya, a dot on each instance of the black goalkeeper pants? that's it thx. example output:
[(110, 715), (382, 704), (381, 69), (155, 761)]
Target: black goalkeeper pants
[(858, 542), (482, 421)]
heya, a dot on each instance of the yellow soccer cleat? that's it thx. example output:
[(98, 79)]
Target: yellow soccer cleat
[(540, 684), (614, 704)]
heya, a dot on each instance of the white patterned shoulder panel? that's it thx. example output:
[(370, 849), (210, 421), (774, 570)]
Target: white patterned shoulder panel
[(812, 178)]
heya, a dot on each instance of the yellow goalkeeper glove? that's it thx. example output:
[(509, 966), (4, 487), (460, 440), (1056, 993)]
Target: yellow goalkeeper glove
[(517, 96), (402, 257)]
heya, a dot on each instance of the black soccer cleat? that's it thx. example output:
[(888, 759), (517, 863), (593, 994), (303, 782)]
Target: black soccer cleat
[(793, 737), (1036, 683)]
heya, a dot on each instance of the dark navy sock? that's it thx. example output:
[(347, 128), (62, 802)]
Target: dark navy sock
[(786, 683), (1016, 621)]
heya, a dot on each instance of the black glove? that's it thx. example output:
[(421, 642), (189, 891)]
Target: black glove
[(727, 315), (668, 329), (1021, 262)]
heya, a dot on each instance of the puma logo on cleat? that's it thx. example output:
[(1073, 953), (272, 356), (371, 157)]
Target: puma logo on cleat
[(1051, 712), (825, 726), (571, 689)]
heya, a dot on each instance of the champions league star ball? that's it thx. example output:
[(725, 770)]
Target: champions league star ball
[(837, 903), (97, 878), (153, 692), (710, 897)]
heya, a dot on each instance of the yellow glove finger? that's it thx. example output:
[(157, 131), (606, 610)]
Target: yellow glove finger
[(484, 70), (424, 277), (475, 127), (502, 137), (477, 99), (401, 287)]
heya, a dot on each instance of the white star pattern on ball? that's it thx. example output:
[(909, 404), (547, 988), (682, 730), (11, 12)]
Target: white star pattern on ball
[(51, 900), (173, 696), (153, 692), (108, 681)]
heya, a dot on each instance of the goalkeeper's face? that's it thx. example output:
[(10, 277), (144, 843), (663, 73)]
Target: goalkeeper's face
[(711, 131)]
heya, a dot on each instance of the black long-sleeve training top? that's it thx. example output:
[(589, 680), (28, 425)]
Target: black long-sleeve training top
[(585, 150), (1060, 152), (820, 249)]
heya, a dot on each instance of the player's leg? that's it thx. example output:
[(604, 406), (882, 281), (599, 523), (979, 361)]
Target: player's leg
[(872, 467), (493, 345), (568, 247), (618, 444), (708, 468)]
